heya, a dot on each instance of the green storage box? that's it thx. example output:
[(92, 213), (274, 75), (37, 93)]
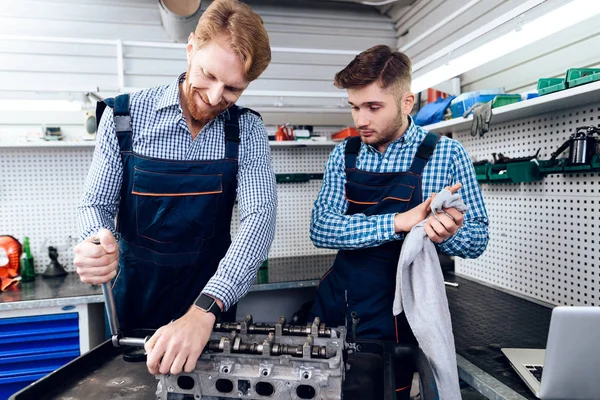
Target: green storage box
[(505, 99), (596, 163), (292, 178), (527, 171), (551, 85), (497, 173), (581, 76), (552, 166), (578, 168), (481, 172)]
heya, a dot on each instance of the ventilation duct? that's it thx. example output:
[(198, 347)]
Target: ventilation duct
[(179, 17)]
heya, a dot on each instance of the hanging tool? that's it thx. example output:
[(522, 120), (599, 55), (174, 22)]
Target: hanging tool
[(582, 146), (111, 312), (500, 158)]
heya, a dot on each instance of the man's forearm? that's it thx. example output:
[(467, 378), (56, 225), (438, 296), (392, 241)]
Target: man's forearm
[(345, 232), (250, 247)]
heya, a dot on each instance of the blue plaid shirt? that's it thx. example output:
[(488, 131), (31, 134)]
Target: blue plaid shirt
[(332, 228), (160, 131)]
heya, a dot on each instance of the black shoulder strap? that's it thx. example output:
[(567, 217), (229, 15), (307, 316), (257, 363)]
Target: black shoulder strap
[(232, 129), (121, 117), (352, 149), (100, 107), (424, 152), (232, 132), (251, 111)]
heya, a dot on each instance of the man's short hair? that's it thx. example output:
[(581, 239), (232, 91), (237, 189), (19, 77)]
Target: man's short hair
[(377, 64), (245, 30)]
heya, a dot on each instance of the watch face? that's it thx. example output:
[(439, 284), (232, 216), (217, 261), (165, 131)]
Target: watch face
[(205, 302)]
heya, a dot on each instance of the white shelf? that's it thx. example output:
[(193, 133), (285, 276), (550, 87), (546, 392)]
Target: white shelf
[(558, 101), (302, 143), (92, 143)]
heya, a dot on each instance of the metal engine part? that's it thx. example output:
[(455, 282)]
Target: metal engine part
[(244, 360)]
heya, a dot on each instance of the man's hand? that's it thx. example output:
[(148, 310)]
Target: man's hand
[(178, 345), (97, 264), (447, 223), (404, 222)]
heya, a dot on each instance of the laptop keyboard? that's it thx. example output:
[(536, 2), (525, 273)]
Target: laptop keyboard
[(536, 371)]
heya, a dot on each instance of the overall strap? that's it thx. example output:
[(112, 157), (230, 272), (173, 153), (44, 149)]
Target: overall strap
[(232, 130), (352, 149), (424, 152), (251, 111), (121, 117)]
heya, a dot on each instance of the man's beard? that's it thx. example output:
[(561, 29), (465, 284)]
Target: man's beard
[(198, 113), (390, 132)]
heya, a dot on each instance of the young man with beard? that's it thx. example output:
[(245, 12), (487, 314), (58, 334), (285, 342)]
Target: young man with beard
[(168, 165), (375, 189)]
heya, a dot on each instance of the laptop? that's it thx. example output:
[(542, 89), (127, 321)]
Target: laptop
[(569, 368)]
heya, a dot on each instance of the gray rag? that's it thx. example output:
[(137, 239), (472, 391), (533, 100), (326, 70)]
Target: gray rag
[(421, 294)]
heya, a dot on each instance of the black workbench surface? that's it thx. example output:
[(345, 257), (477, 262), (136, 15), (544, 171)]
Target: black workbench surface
[(102, 374), (485, 320)]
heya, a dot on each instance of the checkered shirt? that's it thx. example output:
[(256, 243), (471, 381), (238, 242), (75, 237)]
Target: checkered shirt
[(332, 228), (160, 131)]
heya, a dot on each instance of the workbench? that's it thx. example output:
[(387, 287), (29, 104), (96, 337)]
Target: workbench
[(484, 320)]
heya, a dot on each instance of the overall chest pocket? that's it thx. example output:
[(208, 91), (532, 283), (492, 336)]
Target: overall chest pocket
[(176, 207), (378, 199)]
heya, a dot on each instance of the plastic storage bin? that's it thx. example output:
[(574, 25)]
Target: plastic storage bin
[(552, 166), (505, 99), (459, 108), (527, 171), (581, 76), (551, 85), (481, 172), (464, 101), (497, 173), (292, 178), (596, 162), (578, 168)]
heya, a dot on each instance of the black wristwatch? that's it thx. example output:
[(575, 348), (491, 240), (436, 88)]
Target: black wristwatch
[(208, 304)]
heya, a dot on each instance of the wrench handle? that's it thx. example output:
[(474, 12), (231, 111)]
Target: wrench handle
[(109, 303)]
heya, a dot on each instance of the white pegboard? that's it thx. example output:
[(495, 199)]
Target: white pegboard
[(41, 188), (39, 193), (295, 202), (544, 236), (300, 159)]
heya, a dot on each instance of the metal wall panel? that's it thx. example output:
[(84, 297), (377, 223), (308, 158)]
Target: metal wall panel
[(516, 72), (36, 66)]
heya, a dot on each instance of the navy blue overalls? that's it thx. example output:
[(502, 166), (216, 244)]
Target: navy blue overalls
[(361, 284), (174, 220)]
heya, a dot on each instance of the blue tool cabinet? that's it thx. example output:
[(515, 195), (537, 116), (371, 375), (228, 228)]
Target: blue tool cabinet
[(36, 341), (33, 346)]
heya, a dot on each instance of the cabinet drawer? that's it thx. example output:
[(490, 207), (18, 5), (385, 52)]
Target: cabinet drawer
[(34, 346)]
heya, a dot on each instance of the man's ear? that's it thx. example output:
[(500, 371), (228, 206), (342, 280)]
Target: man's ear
[(408, 102), (189, 49)]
